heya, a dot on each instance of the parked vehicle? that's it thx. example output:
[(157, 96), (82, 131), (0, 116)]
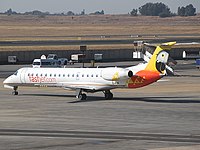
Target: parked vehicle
[(63, 61), (39, 63), (198, 63), (52, 60), (52, 56), (77, 58)]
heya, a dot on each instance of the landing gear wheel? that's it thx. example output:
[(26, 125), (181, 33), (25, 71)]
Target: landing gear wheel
[(15, 93), (108, 95), (82, 97)]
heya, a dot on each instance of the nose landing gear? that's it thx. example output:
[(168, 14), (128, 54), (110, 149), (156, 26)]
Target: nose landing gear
[(15, 92)]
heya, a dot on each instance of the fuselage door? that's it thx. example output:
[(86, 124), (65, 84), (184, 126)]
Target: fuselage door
[(23, 75)]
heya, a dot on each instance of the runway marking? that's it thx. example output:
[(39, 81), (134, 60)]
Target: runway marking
[(102, 135)]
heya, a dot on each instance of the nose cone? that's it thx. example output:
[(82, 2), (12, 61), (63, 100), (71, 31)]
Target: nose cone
[(8, 80)]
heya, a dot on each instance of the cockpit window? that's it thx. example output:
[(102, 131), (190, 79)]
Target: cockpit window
[(15, 73)]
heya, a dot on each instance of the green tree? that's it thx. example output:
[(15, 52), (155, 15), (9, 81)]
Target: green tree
[(164, 15), (134, 12), (181, 11), (98, 13), (154, 9), (10, 12), (102, 12), (83, 12), (70, 13), (189, 10)]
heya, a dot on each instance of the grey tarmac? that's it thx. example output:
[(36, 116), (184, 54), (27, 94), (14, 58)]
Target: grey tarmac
[(162, 116)]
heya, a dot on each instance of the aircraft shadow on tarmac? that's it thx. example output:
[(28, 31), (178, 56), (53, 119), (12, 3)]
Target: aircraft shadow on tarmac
[(145, 99), (160, 99)]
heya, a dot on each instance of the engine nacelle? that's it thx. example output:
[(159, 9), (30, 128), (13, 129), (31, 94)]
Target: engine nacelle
[(115, 74)]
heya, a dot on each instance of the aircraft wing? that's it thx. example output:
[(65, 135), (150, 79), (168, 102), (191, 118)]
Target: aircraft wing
[(86, 86)]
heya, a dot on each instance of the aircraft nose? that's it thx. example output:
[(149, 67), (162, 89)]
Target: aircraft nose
[(6, 81)]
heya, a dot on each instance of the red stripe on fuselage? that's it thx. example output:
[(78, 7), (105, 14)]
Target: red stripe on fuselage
[(143, 78)]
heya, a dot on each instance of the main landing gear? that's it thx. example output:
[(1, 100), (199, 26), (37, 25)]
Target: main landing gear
[(80, 95), (83, 96), (15, 92), (108, 95)]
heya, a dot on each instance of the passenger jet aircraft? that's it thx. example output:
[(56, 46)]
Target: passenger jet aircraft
[(84, 80)]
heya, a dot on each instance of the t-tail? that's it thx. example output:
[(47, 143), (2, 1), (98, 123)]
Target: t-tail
[(155, 69)]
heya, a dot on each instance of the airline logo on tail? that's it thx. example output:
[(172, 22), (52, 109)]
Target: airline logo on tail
[(155, 68)]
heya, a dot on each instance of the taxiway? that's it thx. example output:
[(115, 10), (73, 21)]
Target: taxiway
[(160, 116)]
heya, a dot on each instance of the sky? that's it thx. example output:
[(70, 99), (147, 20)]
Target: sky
[(109, 6)]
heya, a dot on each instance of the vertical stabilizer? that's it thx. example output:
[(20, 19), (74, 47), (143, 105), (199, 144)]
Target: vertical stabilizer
[(158, 61), (155, 68)]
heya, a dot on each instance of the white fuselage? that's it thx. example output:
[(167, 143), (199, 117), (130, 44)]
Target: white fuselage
[(90, 79)]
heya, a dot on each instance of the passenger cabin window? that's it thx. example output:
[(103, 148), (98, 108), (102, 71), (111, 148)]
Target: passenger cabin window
[(41, 75), (45, 75), (63, 75), (54, 75), (28, 74), (50, 75), (82, 75)]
